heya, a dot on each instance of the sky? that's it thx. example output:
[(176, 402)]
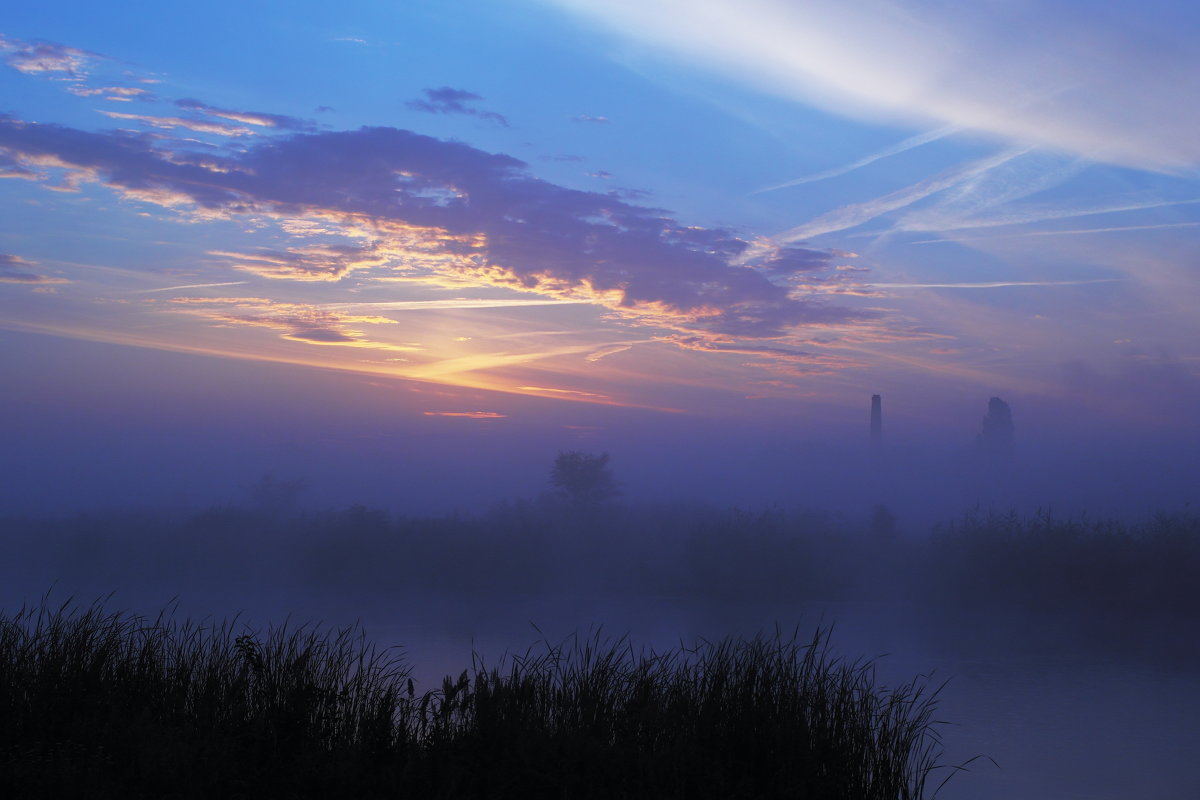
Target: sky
[(409, 251)]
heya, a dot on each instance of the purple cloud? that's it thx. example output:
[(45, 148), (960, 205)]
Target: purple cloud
[(449, 212), (447, 100)]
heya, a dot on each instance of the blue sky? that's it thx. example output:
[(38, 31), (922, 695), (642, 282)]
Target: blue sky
[(563, 216)]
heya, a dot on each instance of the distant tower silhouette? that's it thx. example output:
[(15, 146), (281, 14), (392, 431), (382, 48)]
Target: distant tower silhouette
[(876, 423)]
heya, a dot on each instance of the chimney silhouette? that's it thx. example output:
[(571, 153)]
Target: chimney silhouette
[(876, 423)]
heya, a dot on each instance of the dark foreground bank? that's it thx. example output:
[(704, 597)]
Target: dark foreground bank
[(115, 705)]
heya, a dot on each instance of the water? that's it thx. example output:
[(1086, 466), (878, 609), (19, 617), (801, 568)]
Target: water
[(1062, 722), (1047, 726), (1072, 729)]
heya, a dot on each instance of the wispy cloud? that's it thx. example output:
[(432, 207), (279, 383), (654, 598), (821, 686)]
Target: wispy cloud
[(168, 123), (120, 93), (779, 359), (543, 390), (258, 118), (11, 167), (447, 100), (1105, 86), (46, 58), (453, 304), (610, 350), (589, 118), (321, 262), (297, 321)]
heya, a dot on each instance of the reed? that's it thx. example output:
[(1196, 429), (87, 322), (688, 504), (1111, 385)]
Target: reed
[(768, 717), (129, 706), (117, 705)]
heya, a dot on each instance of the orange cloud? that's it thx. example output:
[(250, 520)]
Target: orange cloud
[(467, 414)]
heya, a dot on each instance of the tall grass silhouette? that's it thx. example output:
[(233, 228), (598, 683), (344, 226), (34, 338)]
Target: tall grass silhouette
[(126, 706), (108, 704)]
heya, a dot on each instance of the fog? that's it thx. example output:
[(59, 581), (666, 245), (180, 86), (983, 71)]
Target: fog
[(1061, 639), (1047, 577), (65, 467)]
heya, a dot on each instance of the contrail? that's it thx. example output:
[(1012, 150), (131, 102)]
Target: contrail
[(852, 216), (896, 149), (190, 286), (989, 285), (1073, 232), (1030, 216)]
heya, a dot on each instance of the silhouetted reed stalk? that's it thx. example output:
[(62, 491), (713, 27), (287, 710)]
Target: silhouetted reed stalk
[(129, 707)]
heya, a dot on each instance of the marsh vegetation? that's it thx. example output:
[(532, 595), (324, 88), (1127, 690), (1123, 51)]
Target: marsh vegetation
[(135, 707)]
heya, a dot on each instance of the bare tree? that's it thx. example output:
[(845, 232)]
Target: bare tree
[(583, 479)]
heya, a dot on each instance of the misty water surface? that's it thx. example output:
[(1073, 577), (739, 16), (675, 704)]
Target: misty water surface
[(1075, 688)]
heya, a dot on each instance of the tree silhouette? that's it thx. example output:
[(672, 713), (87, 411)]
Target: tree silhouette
[(996, 438), (274, 495), (583, 479)]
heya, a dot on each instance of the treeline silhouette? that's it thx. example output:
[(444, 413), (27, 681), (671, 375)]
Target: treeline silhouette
[(1128, 587)]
